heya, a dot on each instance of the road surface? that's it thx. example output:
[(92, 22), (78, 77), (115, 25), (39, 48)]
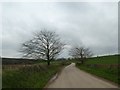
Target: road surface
[(72, 77)]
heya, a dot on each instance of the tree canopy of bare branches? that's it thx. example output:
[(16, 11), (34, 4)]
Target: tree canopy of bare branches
[(80, 53), (45, 45)]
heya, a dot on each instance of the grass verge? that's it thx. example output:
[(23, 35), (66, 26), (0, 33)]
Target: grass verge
[(34, 76), (109, 74)]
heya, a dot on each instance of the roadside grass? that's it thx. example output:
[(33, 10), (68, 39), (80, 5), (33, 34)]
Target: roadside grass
[(111, 75), (105, 67), (33, 76)]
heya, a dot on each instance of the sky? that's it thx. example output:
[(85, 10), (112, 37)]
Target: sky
[(92, 24)]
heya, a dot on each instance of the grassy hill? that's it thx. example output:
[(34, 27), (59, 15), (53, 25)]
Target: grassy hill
[(106, 67), (111, 59)]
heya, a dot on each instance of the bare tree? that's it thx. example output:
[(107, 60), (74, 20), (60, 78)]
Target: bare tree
[(80, 53), (45, 45)]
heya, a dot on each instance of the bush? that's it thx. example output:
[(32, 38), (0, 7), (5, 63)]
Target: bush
[(78, 63), (64, 63)]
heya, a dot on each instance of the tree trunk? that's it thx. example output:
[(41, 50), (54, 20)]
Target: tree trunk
[(48, 57), (82, 61), (48, 62)]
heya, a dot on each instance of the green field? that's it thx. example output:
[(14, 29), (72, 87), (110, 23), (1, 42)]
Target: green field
[(104, 66), (29, 76), (112, 59)]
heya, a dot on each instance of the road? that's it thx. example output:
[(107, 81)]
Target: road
[(72, 77)]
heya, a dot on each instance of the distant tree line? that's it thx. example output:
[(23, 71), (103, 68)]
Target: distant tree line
[(10, 61)]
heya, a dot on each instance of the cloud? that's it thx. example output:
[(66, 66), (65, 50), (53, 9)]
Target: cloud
[(90, 23)]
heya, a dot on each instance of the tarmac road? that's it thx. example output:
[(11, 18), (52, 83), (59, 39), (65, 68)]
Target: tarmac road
[(72, 77)]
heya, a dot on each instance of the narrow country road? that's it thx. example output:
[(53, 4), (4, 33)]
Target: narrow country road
[(72, 77)]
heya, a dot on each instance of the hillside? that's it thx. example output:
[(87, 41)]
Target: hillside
[(111, 59)]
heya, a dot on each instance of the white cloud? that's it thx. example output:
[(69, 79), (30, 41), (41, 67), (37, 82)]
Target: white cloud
[(93, 24)]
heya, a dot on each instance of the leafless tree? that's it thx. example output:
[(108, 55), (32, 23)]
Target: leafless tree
[(80, 53), (45, 45)]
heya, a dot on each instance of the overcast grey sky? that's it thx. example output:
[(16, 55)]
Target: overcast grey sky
[(95, 25)]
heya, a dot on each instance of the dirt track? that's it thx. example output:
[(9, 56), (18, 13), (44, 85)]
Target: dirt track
[(72, 77)]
